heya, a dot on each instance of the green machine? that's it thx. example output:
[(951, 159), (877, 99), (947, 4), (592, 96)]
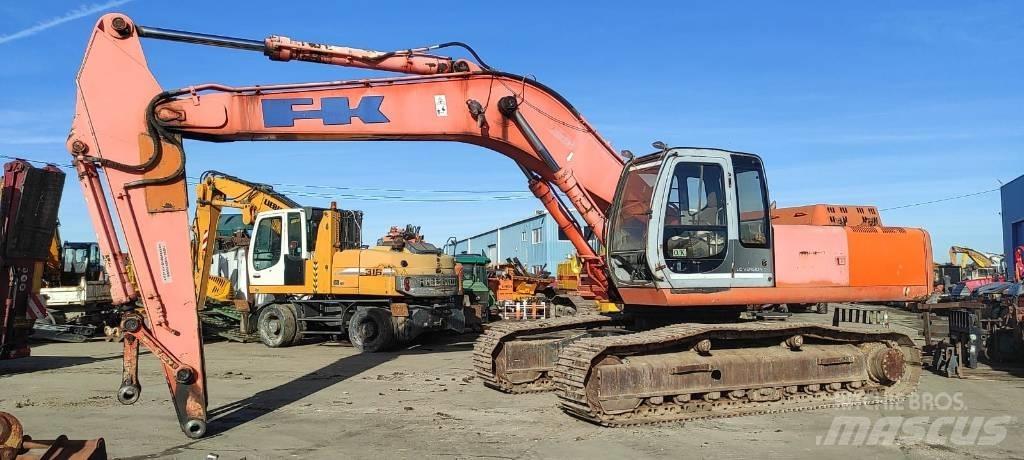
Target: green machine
[(474, 279)]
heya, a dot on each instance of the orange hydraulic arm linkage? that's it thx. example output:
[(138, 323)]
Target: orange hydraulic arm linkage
[(126, 125)]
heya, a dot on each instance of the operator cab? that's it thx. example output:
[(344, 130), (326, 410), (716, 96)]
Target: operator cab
[(691, 219), (283, 239), (81, 261)]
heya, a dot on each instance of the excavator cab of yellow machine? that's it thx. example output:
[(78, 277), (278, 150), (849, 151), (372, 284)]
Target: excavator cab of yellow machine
[(282, 241)]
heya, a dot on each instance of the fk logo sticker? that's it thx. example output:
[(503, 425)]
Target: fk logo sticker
[(281, 113)]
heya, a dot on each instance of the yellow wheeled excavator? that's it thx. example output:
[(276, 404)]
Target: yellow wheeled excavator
[(308, 273)]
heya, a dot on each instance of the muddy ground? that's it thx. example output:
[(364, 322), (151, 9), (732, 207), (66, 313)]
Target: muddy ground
[(326, 401)]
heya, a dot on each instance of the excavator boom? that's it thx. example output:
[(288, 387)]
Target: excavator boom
[(979, 259)]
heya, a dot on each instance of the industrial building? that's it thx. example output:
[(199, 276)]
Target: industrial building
[(1012, 197), (535, 240)]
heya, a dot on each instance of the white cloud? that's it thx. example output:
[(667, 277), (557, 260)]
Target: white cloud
[(80, 12)]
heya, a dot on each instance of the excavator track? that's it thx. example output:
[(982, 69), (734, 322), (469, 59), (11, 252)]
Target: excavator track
[(700, 371), (516, 357)]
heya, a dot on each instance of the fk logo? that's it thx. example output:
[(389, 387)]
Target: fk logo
[(281, 113)]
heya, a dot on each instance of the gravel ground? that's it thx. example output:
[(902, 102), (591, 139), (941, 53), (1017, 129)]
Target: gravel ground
[(326, 401)]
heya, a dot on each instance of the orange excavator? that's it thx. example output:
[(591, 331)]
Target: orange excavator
[(688, 239)]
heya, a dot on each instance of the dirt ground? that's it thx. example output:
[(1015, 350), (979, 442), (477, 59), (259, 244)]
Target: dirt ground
[(326, 401)]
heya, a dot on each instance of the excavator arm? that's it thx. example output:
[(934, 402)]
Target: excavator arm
[(126, 126), (979, 259), (215, 191)]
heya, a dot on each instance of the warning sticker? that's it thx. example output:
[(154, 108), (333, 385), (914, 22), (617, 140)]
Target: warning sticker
[(441, 105), (165, 265)]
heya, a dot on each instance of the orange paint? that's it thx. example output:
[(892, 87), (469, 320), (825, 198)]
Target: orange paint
[(646, 297), (811, 256), (828, 214), (889, 255)]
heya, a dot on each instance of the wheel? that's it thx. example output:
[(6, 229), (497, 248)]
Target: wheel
[(277, 325), (782, 308), (370, 330)]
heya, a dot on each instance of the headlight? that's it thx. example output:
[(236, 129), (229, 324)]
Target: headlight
[(973, 337)]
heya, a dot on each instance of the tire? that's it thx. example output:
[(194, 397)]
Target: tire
[(370, 330), (277, 325)]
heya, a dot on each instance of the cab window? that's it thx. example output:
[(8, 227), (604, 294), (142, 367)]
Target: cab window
[(695, 227), (294, 234), (753, 201), (627, 242), (267, 247), (94, 254)]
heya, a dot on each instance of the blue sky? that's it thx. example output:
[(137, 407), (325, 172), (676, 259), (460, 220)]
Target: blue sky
[(884, 103)]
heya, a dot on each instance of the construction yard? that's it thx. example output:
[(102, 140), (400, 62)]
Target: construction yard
[(326, 401), (236, 230)]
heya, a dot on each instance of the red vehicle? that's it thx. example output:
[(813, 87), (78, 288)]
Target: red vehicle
[(28, 220)]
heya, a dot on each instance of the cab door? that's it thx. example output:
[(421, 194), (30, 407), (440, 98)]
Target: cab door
[(694, 234), (295, 248), (689, 236), (277, 251), (266, 267)]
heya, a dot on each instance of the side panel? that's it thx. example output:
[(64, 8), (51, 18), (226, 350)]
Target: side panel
[(888, 256), (345, 272), (811, 256)]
